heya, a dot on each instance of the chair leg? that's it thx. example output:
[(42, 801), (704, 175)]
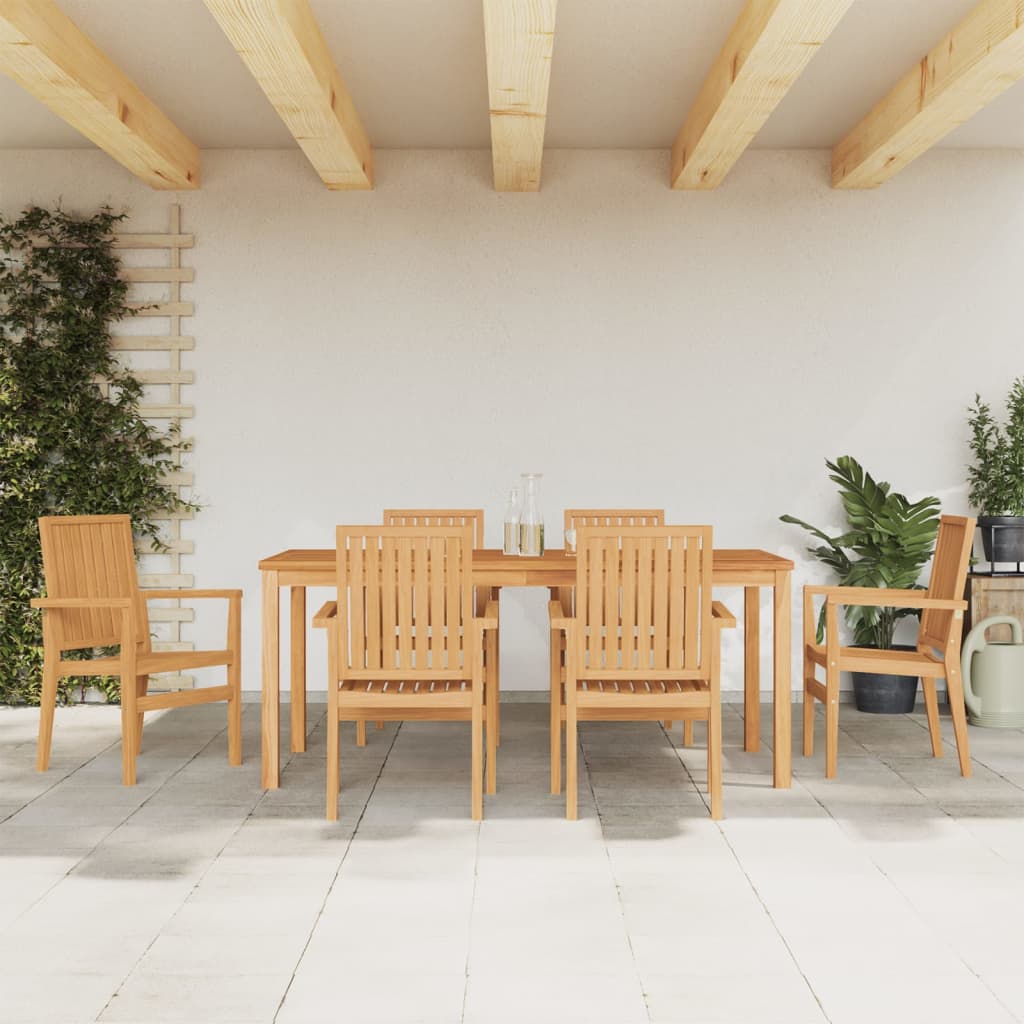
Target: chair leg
[(808, 711), (715, 759), (491, 752), (477, 767), (380, 725), (832, 728), (954, 686), (129, 731), (931, 705), (235, 714), (141, 689), (493, 682), (571, 764), (688, 732), (361, 733), (667, 724), (555, 670), (333, 763), (47, 703)]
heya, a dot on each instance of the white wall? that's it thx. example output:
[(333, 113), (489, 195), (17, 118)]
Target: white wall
[(424, 343)]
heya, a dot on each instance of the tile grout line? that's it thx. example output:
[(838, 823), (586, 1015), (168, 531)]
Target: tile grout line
[(219, 735), (611, 869), (469, 930), (757, 895), (341, 864)]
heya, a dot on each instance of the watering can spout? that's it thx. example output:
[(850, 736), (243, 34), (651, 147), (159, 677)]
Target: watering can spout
[(993, 674)]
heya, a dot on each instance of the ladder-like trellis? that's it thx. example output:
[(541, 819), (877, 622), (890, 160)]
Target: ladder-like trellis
[(152, 263)]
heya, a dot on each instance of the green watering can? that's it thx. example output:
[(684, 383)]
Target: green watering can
[(993, 676)]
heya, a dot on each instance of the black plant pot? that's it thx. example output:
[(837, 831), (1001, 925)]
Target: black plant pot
[(880, 693), (1002, 538)]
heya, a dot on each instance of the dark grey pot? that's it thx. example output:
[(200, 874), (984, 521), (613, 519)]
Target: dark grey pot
[(1002, 538), (879, 693)]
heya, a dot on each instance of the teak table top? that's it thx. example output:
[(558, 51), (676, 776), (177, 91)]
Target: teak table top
[(554, 568)]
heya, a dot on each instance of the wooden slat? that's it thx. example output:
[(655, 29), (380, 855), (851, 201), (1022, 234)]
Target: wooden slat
[(151, 343), (158, 275), (165, 580), (47, 54), (164, 376), (184, 698), (144, 307), (519, 36), (168, 412), (157, 614), (766, 51), (172, 547), (281, 44), (154, 240), (968, 68)]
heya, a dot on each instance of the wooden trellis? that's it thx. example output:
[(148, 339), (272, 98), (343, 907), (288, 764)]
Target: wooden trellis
[(152, 265)]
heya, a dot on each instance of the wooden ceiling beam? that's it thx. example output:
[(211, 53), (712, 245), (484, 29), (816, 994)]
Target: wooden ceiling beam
[(519, 36), (766, 51), (282, 45), (975, 62), (48, 55)]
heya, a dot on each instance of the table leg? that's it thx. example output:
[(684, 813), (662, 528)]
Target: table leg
[(271, 740), (783, 710), (752, 669), (298, 675)]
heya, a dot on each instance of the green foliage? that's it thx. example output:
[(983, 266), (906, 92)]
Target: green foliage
[(65, 448), (889, 541), (996, 477)]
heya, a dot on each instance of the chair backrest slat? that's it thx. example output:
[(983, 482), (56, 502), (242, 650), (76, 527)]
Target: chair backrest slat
[(948, 580), (91, 556), (643, 601), (577, 517), (405, 601), (439, 517)]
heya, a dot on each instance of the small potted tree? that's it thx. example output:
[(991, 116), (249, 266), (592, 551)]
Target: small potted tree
[(996, 476), (889, 541)]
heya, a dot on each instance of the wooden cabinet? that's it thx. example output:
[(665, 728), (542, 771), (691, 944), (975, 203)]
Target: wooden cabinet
[(994, 595)]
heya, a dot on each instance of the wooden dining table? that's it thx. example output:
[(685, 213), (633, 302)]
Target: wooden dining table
[(750, 569)]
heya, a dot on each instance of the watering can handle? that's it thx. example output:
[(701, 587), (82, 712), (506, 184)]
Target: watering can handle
[(975, 641)]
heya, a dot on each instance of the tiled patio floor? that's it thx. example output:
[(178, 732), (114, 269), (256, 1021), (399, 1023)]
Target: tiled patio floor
[(895, 893)]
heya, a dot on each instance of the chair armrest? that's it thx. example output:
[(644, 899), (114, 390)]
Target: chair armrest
[(489, 620), (722, 616), (557, 616), (183, 594), (81, 602), (329, 611), (882, 598)]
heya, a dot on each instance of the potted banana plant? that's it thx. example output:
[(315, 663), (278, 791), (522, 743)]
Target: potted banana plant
[(888, 541), (996, 476)]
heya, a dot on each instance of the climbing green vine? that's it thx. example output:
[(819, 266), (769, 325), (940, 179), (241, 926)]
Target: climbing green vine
[(65, 446)]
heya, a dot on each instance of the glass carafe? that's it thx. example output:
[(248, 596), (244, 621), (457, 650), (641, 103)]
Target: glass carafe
[(531, 520), (512, 519)]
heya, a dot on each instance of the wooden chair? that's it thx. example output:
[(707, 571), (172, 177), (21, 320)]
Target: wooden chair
[(93, 600), (938, 644), (457, 517), (573, 519), (404, 642), (644, 641)]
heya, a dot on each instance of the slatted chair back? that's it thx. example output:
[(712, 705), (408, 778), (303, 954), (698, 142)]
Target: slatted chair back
[(949, 577), (439, 517), (577, 517), (91, 556), (405, 602), (643, 602)]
